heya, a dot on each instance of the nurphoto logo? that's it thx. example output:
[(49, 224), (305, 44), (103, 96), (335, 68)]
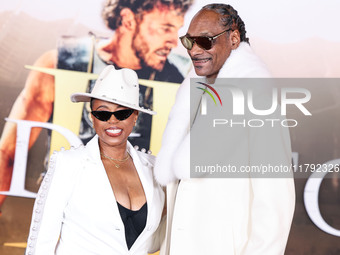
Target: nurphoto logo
[(204, 99), (244, 101)]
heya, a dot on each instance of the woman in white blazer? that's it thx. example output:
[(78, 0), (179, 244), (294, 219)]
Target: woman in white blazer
[(100, 198)]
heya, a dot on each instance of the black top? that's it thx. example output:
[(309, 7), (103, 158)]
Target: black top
[(134, 222)]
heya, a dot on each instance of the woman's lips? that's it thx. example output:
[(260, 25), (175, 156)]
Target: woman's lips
[(114, 132)]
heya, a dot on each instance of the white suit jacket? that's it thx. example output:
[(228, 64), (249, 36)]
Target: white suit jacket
[(76, 202), (225, 216)]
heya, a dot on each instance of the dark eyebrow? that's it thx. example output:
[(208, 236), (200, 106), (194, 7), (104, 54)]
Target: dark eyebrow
[(201, 34), (168, 25), (101, 106), (119, 107)]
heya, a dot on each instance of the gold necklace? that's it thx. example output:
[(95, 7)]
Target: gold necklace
[(114, 159)]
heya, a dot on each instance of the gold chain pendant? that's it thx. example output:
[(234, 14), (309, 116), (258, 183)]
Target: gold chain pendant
[(113, 159)]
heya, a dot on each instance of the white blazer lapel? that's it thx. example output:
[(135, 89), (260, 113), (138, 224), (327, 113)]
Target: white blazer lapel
[(145, 175), (107, 193), (171, 191)]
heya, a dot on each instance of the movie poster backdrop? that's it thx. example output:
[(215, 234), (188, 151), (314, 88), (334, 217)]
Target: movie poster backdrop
[(295, 40)]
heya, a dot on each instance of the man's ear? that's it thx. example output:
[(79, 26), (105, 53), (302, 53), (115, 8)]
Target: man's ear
[(235, 39), (128, 19)]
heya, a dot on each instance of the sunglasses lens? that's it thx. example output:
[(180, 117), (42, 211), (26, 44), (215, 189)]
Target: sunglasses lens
[(187, 42), (102, 115), (106, 115), (123, 114), (203, 42)]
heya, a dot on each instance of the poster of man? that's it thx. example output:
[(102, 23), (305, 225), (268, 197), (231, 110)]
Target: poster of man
[(128, 47)]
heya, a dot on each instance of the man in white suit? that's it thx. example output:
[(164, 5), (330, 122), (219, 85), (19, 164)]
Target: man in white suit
[(248, 216)]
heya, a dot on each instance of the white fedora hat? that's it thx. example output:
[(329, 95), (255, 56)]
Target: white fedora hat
[(115, 86)]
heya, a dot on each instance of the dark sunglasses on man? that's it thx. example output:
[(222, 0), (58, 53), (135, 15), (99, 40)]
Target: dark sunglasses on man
[(204, 42), (119, 115)]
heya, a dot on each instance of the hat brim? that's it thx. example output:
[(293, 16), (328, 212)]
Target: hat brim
[(86, 97)]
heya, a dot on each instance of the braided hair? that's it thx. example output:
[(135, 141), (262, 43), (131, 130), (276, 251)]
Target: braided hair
[(229, 18)]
